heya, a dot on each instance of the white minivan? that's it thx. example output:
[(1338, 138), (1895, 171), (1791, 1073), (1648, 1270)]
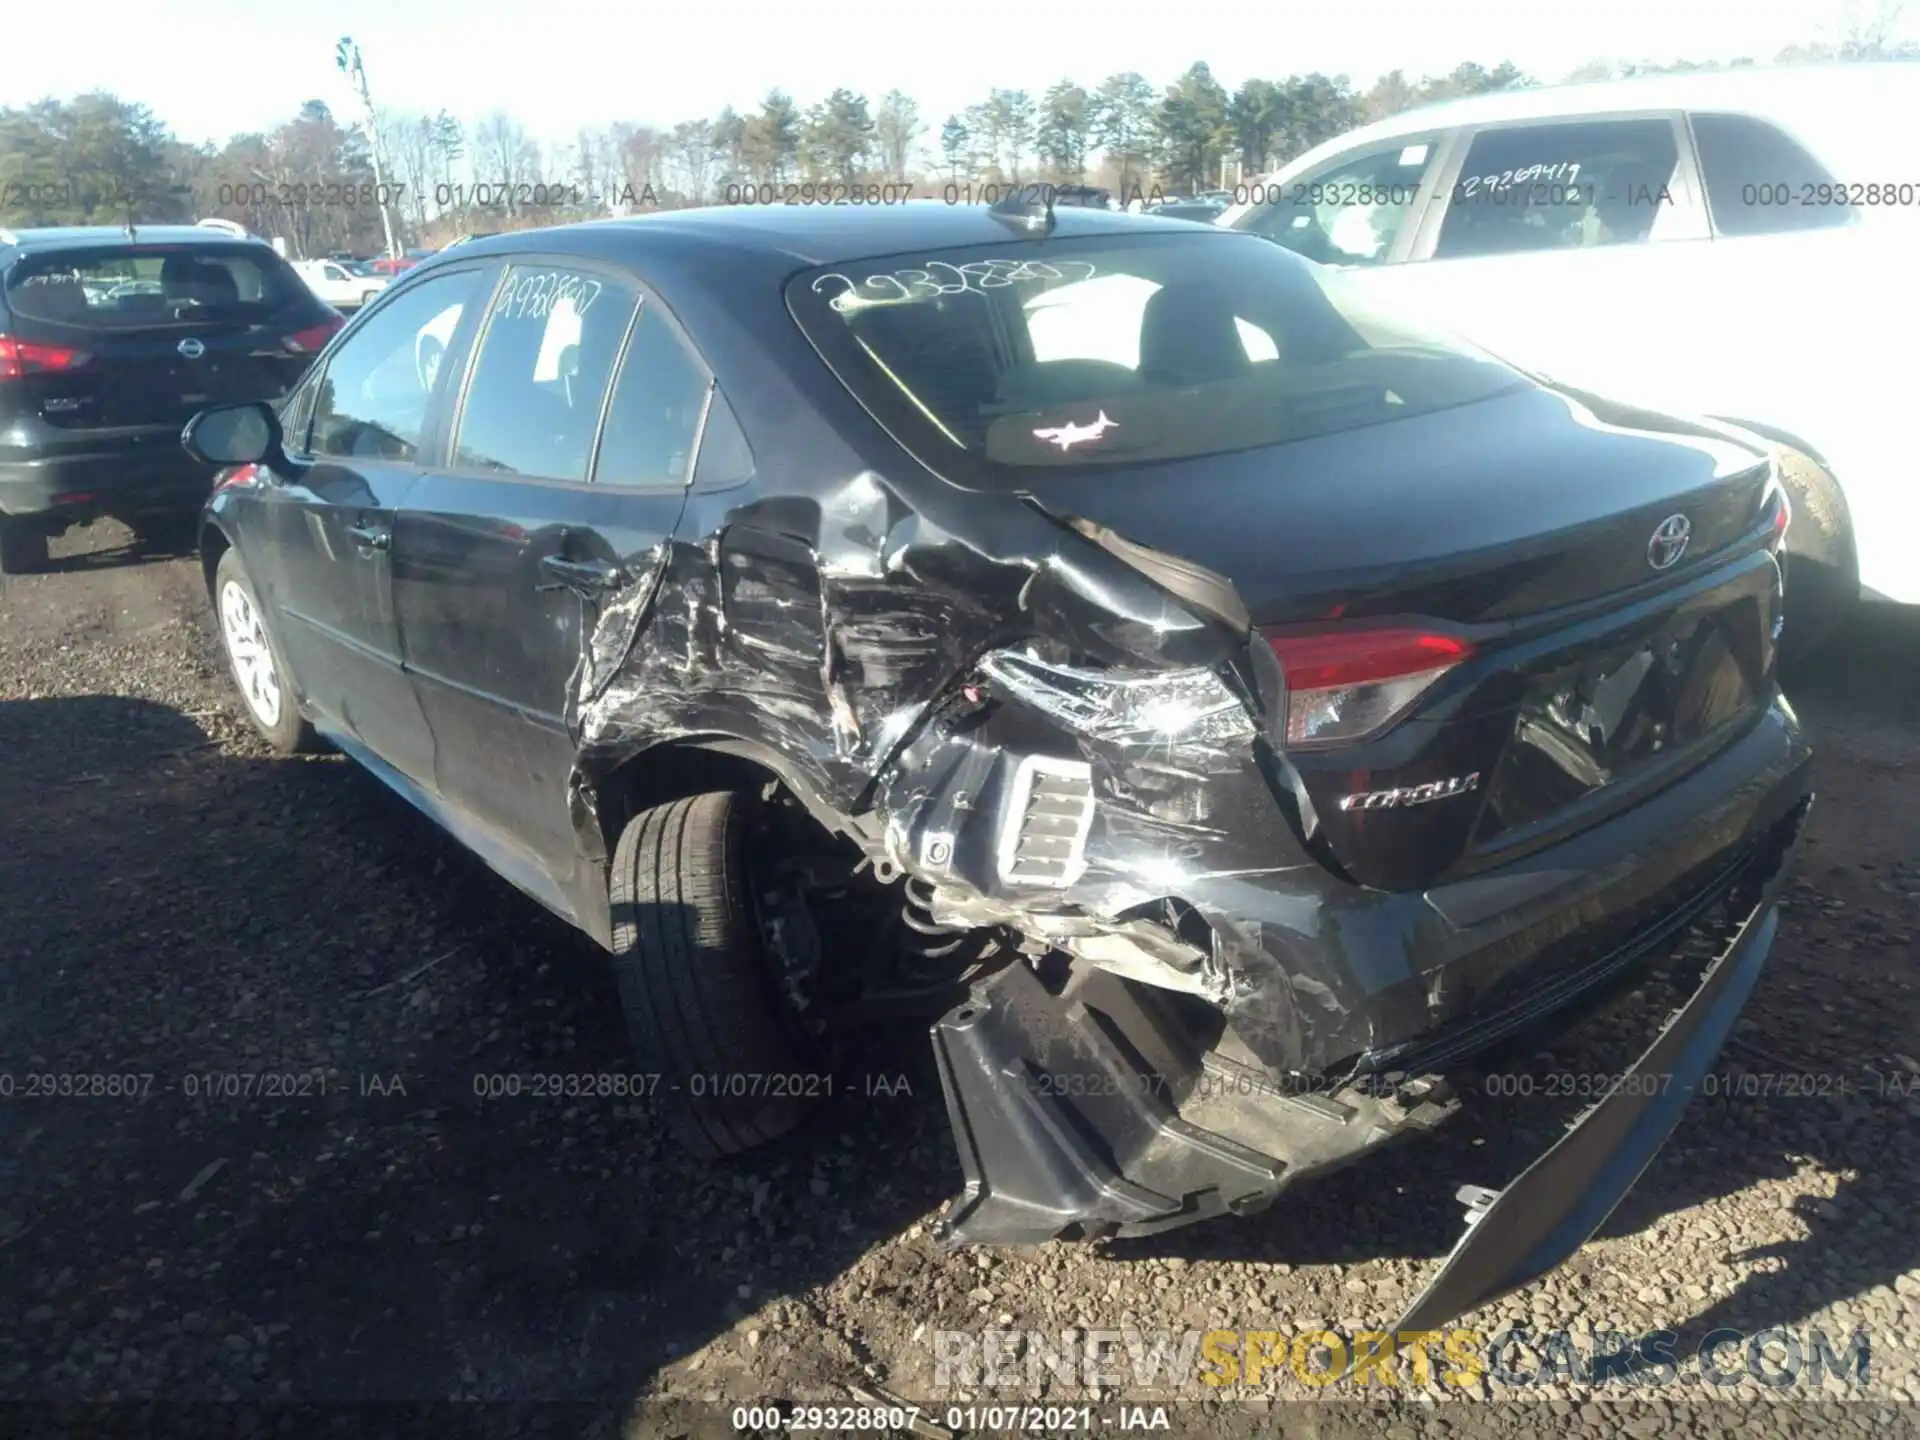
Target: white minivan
[(1737, 244)]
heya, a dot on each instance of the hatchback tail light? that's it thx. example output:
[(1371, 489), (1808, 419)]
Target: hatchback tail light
[(1345, 685), (313, 339), (19, 358)]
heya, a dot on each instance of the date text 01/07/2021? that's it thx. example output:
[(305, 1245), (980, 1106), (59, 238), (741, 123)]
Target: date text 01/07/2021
[(621, 1085), (785, 1419), (509, 195)]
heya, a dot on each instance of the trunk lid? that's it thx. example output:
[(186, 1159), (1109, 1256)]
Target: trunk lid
[(1524, 524), (1492, 511)]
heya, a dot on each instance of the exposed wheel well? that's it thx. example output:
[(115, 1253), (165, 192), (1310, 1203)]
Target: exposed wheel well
[(674, 770), (213, 544)]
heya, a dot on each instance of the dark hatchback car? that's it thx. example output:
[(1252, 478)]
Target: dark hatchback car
[(1221, 711), (110, 341)]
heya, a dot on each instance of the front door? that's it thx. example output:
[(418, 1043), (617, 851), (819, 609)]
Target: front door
[(523, 568), (327, 533)]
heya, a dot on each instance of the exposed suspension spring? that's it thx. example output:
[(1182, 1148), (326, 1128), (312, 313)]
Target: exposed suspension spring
[(927, 939)]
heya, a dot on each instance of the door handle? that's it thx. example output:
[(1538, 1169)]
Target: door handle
[(373, 537), (588, 577)]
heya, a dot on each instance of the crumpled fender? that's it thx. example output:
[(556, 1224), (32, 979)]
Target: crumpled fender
[(832, 634)]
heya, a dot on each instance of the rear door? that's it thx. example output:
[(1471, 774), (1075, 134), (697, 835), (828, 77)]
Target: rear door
[(522, 567), (320, 542)]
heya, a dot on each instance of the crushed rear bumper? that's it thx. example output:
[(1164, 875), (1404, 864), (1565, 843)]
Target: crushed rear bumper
[(1087, 1104)]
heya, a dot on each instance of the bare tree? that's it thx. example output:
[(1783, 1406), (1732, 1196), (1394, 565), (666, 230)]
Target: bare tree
[(505, 158), (413, 157), (691, 150), (896, 126)]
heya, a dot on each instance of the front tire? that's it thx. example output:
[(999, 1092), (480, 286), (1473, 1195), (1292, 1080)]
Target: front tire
[(23, 547), (259, 672), (696, 983)]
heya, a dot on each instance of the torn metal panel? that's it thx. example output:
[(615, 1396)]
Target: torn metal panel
[(837, 635)]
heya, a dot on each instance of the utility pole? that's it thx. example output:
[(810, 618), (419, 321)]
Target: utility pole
[(346, 55)]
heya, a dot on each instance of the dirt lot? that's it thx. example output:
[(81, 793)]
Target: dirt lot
[(177, 906)]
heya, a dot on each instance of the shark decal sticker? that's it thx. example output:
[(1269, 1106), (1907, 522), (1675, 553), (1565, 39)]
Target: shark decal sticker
[(1069, 435)]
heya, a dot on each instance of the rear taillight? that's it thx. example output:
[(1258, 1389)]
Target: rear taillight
[(313, 339), (239, 475), (1345, 685), (25, 357)]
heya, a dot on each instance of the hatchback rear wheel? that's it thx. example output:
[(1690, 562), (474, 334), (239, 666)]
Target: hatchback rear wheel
[(698, 986), (258, 672)]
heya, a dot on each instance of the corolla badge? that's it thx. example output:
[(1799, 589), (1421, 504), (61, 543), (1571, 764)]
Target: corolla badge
[(1669, 542), (1411, 794), (1065, 435), (191, 348)]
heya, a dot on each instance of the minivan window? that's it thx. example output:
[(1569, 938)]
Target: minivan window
[(990, 362), (1568, 186), (126, 287), (1762, 182), (374, 400), (541, 375), (1347, 214)]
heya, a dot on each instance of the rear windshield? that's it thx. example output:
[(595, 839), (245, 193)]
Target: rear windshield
[(992, 362), (126, 287)]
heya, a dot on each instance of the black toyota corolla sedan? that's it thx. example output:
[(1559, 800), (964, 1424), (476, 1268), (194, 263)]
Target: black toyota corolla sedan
[(1220, 711)]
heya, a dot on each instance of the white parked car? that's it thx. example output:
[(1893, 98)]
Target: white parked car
[(1735, 244), (337, 285)]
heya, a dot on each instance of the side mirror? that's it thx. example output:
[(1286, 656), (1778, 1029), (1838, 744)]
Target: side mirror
[(235, 435)]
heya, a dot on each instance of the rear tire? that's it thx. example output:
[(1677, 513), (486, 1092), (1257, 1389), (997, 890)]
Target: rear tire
[(23, 547), (254, 660), (696, 984)]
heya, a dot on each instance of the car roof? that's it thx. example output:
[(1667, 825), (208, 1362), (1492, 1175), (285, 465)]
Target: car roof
[(816, 234), (1778, 90), (62, 237)]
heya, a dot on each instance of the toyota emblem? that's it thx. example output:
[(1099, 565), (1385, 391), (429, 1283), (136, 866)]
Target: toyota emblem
[(191, 348), (1669, 542)]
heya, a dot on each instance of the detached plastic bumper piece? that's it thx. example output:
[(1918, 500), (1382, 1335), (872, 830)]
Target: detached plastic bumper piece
[(1096, 1109)]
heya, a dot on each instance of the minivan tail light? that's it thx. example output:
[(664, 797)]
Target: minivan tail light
[(313, 339), (26, 357), (1344, 685)]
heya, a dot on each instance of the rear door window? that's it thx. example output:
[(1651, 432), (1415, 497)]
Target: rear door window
[(653, 424), (540, 377), (139, 287), (1760, 181), (1565, 186)]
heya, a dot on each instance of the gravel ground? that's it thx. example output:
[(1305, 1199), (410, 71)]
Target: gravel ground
[(177, 906)]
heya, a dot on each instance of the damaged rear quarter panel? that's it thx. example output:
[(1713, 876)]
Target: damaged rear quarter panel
[(820, 617)]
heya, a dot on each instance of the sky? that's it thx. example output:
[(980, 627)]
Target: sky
[(211, 68)]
